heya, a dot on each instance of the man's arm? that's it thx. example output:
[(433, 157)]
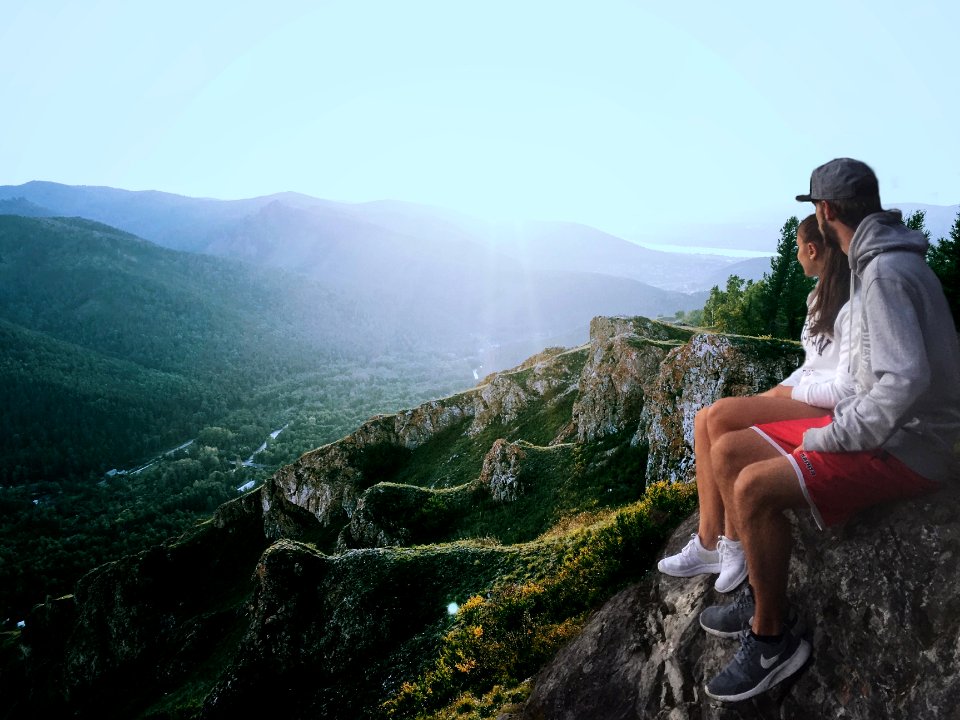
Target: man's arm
[(898, 360)]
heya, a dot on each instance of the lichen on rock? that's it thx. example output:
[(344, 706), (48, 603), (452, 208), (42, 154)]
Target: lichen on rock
[(694, 375)]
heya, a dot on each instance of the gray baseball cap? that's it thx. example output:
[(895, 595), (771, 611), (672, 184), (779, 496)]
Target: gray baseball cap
[(841, 179)]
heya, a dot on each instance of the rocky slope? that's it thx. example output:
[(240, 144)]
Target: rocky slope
[(357, 549), (879, 598)]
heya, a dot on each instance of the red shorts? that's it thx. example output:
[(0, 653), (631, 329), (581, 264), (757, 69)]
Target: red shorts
[(837, 485)]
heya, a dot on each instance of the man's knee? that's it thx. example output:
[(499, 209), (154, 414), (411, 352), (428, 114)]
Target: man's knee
[(749, 492), (765, 488)]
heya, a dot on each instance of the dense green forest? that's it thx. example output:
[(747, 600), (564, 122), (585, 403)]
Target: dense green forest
[(775, 305), (114, 351)]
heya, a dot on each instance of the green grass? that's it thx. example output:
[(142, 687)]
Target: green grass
[(501, 638)]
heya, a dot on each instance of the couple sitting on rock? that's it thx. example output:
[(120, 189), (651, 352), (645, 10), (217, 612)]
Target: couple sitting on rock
[(871, 416)]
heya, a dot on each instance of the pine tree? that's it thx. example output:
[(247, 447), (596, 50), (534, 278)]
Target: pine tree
[(944, 259)]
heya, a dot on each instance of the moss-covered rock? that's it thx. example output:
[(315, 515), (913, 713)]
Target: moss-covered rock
[(332, 636), (327, 483)]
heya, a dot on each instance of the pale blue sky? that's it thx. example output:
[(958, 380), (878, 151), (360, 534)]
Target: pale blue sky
[(621, 115)]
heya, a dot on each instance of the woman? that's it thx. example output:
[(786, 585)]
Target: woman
[(818, 384)]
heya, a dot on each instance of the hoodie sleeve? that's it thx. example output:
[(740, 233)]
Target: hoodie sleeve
[(827, 394), (900, 368)]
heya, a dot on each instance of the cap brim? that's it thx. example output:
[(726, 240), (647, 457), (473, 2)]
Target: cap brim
[(804, 198)]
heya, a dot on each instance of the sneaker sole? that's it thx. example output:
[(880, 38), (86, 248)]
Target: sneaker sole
[(708, 569), (798, 627), (720, 633), (734, 584), (784, 670)]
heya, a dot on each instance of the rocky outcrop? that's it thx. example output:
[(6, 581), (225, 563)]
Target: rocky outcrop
[(879, 597), (153, 619), (336, 633), (390, 514), (328, 483), (649, 379), (625, 356), (501, 471), (694, 375)]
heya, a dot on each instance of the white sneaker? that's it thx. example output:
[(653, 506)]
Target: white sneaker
[(733, 565), (692, 560)]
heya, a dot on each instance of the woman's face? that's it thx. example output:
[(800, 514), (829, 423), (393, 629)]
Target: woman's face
[(808, 255)]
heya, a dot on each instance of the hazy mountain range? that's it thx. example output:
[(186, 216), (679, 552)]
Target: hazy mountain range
[(437, 277), (288, 228), (440, 279)]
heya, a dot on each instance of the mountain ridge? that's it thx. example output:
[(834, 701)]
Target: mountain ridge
[(185, 223)]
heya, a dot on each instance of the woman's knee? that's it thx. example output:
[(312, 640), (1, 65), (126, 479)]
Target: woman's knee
[(725, 416), (702, 418)]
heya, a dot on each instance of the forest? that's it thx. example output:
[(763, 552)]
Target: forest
[(114, 352), (775, 305)]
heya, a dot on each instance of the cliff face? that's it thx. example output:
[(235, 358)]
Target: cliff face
[(356, 549)]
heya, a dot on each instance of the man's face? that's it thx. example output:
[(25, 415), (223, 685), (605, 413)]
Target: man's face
[(830, 234), (827, 229)]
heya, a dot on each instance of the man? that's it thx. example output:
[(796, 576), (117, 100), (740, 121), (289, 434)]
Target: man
[(893, 439)]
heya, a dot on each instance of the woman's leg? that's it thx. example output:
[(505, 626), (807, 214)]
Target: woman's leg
[(711, 502), (738, 413)]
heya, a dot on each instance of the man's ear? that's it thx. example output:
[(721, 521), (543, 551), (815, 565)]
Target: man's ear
[(828, 211)]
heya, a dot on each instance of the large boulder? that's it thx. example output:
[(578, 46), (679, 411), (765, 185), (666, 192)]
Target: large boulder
[(880, 597)]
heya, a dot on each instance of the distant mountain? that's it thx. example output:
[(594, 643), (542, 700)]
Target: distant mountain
[(937, 218), (100, 288), (749, 269), (22, 206), (430, 276), (442, 282), (290, 222)]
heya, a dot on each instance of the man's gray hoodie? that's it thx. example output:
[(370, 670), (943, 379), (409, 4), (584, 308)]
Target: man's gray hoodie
[(907, 363)]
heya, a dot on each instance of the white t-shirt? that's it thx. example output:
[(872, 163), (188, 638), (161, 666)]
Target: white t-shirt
[(824, 378)]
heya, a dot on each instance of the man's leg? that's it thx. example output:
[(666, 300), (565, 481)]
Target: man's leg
[(762, 492), (730, 415), (771, 651)]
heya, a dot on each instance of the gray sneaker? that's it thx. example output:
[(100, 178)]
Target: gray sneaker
[(728, 620), (758, 666)]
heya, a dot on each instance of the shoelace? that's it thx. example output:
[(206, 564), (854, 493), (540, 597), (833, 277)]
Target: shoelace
[(747, 641)]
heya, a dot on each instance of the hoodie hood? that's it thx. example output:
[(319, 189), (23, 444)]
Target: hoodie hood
[(883, 232)]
